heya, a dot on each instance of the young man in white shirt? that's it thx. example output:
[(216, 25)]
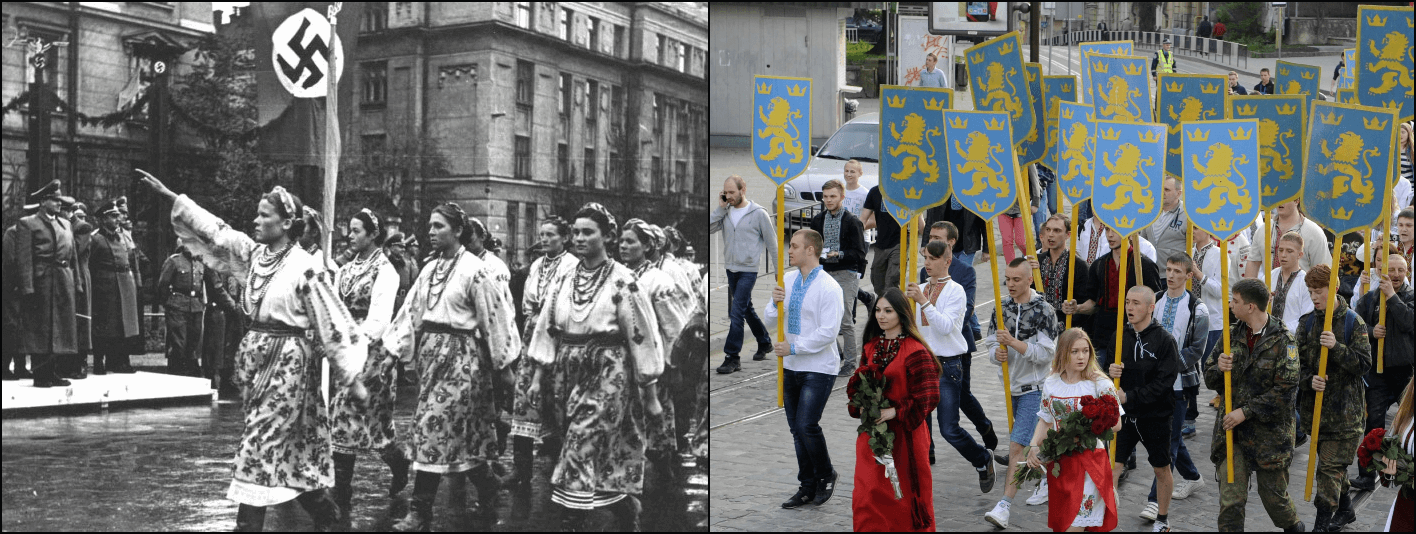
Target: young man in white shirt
[(810, 362), (1288, 301), (931, 76), (1092, 243), (1182, 314), (939, 313), (1315, 246), (1027, 342), (855, 193)]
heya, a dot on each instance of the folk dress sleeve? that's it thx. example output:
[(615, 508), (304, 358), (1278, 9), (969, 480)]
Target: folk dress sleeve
[(221, 247)]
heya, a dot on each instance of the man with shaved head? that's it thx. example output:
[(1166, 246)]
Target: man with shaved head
[(1384, 389), (1147, 364)]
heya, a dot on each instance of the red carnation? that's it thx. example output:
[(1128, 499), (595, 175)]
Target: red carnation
[(1099, 427), (1373, 441)]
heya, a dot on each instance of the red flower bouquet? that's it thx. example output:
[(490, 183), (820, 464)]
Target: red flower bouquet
[(1376, 447), (1080, 430)]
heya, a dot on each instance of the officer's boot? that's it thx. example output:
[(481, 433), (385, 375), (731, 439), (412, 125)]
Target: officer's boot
[(1344, 513), (98, 367), (1324, 518), (343, 484), (1297, 527), (250, 518)]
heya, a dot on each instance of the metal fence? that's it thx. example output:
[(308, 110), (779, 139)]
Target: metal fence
[(1218, 50)]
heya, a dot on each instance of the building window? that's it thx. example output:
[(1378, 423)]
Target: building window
[(615, 178), (375, 18), (565, 16), (523, 157), (523, 14), (659, 114), (656, 175), (660, 49), (525, 82), (681, 175), (616, 107), (402, 11), (513, 213), (619, 41), (594, 43), (374, 149), (565, 94), (592, 103), (563, 162), (682, 58), (375, 81), (590, 167)]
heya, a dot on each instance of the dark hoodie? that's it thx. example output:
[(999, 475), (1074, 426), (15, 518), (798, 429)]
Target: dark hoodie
[(1151, 365)]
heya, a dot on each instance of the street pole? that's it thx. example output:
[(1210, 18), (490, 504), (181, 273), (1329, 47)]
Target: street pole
[(1278, 30), (41, 169), (1034, 32)]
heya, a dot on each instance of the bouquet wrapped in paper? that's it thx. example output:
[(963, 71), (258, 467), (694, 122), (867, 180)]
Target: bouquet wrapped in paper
[(870, 399)]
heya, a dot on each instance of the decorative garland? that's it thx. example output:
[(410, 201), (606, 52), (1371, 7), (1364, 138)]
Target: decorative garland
[(118, 117)]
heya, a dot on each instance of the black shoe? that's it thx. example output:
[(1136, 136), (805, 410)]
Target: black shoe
[(1344, 513), (1122, 478), (867, 298), (1366, 482), (985, 479), (761, 355), (1298, 527), (990, 439), (801, 497), (49, 383), (1321, 522), (1001, 458), (1302, 439), (931, 457), (824, 489), (98, 367), (730, 366)]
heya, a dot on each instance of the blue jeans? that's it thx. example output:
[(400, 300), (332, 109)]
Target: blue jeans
[(739, 309), (1214, 336), (1179, 455), (804, 396), (954, 397)]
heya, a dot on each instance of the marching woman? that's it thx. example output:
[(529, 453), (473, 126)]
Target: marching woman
[(1083, 498), (894, 347), (284, 450), (368, 286), (600, 336), (527, 424), (454, 331), (1403, 429)]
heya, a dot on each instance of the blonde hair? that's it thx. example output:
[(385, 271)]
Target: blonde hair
[(1410, 139), (1404, 412), (1063, 354)]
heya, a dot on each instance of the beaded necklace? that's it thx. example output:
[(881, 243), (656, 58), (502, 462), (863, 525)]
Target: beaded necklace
[(438, 280), (259, 277), (356, 271), (588, 283), (548, 267)]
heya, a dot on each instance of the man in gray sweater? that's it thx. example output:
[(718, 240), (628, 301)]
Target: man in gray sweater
[(1167, 233), (747, 232)]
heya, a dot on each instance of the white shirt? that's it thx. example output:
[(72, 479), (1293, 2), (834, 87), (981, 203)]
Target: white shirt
[(855, 200), (1255, 234), (1182, 320), (736, 214), (1296, 303), (1315, 246), (944, 335), (1102, 247), (814, 349)]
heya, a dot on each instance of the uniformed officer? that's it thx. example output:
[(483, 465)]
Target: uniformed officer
[(183, 285), (112, 261), (1263, 369), (1344, 396), (221, 308), (1164, 60), (45, 256)]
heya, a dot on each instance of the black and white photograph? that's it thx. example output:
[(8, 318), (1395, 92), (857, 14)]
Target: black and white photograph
[(355, 266)]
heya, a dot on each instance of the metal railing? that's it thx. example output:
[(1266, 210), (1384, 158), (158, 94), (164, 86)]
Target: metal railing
[(853, 35), (1226, 52)]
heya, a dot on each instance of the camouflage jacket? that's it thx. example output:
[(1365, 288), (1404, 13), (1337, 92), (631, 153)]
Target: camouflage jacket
[(1344, 398), (1265, 381)]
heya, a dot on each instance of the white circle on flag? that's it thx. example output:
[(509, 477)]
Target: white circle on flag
[(159, 67), (300, 52)]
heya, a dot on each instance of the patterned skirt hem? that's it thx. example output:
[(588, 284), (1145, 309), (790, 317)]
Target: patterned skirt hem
[(256, 495)]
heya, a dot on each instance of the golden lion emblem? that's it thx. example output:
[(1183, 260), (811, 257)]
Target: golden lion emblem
[(1075, 150), (976, 161), (910, 142), (1217, 170), (1269, 157), (1191, 109), (1124, 173), (1344, 162), (995, 95), (1117, 99), (777, 121), (1392, 57)]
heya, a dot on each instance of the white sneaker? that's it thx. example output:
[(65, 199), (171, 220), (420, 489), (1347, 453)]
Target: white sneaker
[(1152, 510), (1183, 488), (1161, 526), (1039, 495), (999, 515)]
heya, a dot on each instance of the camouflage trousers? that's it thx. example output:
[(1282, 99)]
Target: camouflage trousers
[(1330, 479), (1273, 492)]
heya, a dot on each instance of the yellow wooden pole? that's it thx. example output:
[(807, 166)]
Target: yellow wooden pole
[(781, 266), (1025, 209), (1268, 248), (1386, 259), (904, 245), (998, 323), (1322, 371), (1120, 317), (907, 246), (1190, 249), (1072, 259), (1228, 398)]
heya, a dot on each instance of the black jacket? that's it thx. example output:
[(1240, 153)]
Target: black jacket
[(970, 226), (852, 241), (1103, 320), (1400, 324), (1152, 363), (1262, 88)]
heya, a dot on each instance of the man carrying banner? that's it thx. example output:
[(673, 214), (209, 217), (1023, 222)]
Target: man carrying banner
[(1147, 364), (1101, 299), (1287, 282), (1315, 249), (843, 257), (1349, 357), (1168, 232), (1264, 368), (1385, 388), (1053, 263), (1092, 242)]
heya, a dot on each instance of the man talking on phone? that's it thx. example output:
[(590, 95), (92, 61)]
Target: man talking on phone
[(747, 232)]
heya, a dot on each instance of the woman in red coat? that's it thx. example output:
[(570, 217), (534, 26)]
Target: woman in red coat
[(912, 387)]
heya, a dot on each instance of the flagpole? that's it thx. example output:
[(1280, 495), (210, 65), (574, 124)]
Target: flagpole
[(1322, 371), (998, 323), (1386, 259), (1228, 398), (1072, 259), (781, 256), (1025, 209), (1120, 315), (331, 158)]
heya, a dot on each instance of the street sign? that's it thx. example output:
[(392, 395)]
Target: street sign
[(301, 50)]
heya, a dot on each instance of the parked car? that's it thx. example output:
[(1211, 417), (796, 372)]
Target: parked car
[(866, 30), (858, 139)]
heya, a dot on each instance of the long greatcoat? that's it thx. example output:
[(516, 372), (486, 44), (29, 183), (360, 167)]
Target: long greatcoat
[(83, 244), (115, 288), (45, 257)]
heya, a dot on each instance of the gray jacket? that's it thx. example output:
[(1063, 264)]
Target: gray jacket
[(744, 242)]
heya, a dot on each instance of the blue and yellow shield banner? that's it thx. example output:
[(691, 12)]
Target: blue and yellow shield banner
[(1282, 121), (1221, 175), (913, 170), (1384, 58), (981, 161), (1120, 87), (1055, 89), (900, 213), (1296, 78), (1351, 154), (1000, 83), (1034, 145), (1349, 67), (1115, 48), (1130, 158), (1188, 98), (781, 126), (1076, 140), (1347, 96)]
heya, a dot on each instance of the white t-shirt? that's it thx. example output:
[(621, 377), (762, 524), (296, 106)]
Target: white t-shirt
[(736, 214), (1296, 303), (855, 200)]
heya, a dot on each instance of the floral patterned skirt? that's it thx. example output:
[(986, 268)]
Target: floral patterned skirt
[(454, 425), (603, 422), (285, 443), (369, 428), (531, 415)]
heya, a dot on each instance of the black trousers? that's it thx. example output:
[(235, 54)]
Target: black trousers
[(1384, 390), (213, 343), (184, 342)]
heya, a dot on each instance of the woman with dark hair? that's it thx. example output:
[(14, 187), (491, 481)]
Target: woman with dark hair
[(284, 453), (455, 331), (368, 286), (599, 334), (529, 406), (894, 347)]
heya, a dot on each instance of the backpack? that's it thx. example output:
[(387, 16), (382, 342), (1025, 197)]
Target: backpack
[(1348, 320)]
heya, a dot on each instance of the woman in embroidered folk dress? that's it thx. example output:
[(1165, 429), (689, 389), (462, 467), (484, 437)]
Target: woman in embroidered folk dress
[(600, 337), (368, 286), (455, 332), (284, 450), (912, 386), (528, 412), (1083, 497)]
